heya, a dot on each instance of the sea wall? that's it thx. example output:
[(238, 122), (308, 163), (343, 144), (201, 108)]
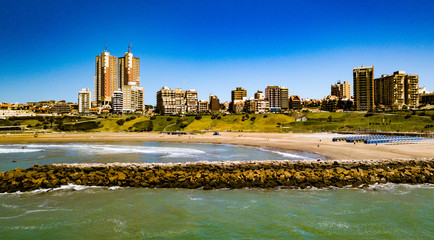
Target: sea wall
[(214, 175)]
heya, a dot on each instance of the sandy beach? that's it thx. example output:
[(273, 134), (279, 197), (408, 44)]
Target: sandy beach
[(318, 143)]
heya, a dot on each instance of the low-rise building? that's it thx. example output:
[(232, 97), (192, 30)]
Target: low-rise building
[(60, 107), (295, 102), (202, 106), (262, 106)]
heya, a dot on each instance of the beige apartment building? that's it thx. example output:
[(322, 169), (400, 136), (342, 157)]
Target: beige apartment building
[(341, 90), (106, 78), (278, 97), (262, 106), (132, 98), (191, 101), (202, 106), (171, 101), (84, 100), (397, 90), (363, 83)]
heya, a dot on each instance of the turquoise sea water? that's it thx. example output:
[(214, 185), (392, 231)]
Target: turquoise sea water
[(26, 155), (386, 211), (381, 212)]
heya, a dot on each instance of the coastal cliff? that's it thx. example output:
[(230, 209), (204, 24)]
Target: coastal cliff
[(216, 175)]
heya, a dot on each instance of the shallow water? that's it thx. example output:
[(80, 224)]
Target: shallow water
[(383, 211), (26, 155)]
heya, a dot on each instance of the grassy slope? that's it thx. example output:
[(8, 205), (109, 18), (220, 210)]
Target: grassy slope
[(355, 121), (235, 123), (316, 122)]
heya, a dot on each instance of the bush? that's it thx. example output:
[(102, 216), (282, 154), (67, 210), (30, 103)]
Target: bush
[(153, 117), (369, 115), (146, 125), (169, 119), (184, 124), (82, 126), (432, 117), (265, 116), (198, 117), (130, 118), (407, 116), (120, 122)]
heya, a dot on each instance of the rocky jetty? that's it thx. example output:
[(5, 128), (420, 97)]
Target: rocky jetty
[(214, 175)]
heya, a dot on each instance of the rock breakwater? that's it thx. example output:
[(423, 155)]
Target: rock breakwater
[(215, 175)]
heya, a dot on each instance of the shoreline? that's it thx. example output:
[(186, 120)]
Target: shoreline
[(316, 143)]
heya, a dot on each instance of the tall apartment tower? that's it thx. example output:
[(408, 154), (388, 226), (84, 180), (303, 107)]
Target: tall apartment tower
[(278, 97), (396, 90), (341, 90), (129, 69), (84, 100), (106, 78), (191, 101), (363, 83)]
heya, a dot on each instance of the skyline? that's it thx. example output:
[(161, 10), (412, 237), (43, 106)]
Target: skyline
[(212, 47)]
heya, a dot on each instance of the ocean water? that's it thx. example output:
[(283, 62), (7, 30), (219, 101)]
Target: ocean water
[(73, 212), (387, 211), (26, 155)]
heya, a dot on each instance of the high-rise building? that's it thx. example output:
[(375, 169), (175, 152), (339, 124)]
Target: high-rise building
[(171, 101), (363, 83), (191, 101), (129, 69), (118, 103), (106, 78), (84, 100), (341, 90), (396, 90), (412, 90), (214, 103), (278, 97), (239, 94), (132, 98)]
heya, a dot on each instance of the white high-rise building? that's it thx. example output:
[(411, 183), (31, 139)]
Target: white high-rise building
[(84, 100)]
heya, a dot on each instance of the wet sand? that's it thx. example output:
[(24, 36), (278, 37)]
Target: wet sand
[(318, 143)]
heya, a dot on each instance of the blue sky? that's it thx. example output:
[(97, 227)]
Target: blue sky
[(48, 48)]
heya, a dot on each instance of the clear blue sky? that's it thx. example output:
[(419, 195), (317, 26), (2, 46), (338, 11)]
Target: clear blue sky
[(48, 48)]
